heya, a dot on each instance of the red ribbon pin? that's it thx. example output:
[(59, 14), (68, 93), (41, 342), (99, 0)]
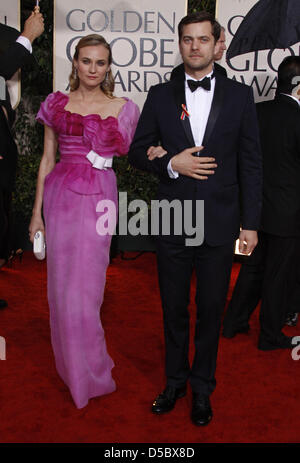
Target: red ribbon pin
[(184, 112)]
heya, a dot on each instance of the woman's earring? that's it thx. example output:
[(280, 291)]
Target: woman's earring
[(75, 73)]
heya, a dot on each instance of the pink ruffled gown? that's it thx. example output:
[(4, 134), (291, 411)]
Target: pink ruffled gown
[(77, 256)]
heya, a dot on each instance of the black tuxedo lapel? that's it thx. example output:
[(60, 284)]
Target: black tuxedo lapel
[(287, 100), (214, 110), (179, 95)]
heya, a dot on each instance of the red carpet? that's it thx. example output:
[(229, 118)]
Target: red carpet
[(256, 399)]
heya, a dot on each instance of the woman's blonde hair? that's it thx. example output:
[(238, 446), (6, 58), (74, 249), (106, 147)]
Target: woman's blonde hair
[(108, 83)]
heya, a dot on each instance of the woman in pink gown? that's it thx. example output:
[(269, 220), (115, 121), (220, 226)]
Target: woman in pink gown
[(89, 126)]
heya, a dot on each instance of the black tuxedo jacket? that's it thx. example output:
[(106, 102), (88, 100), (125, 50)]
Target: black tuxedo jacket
[(15, 56), (232, 196), (180, 71), (279, 124)]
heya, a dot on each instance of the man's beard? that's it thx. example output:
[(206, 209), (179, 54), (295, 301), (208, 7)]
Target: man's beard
[(199, 66)]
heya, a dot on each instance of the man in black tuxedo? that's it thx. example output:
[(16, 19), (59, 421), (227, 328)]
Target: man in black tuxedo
[(207, 125), (13, 55), (270, 273), (221, 47)]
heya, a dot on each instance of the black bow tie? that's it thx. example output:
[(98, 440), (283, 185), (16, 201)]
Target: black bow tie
[(204, 83)]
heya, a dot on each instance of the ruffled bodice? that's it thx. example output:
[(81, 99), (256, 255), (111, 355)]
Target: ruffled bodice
[(78, 135)]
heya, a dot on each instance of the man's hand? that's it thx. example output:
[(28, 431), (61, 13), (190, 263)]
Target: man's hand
[(1, 157), (155, 152), (34, 26), (248, 241), (197, 167)]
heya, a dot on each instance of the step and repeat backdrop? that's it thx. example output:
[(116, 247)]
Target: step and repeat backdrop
[(144, 42), (259, 68), (142, 35)]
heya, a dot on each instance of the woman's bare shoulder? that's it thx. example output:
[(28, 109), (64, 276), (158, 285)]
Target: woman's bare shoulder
[(120, 101)]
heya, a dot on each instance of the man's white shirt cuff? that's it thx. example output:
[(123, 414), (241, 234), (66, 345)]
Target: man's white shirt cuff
[(172, 173), (25, 42)]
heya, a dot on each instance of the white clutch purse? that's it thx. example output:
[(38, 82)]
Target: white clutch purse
[(39, 245)]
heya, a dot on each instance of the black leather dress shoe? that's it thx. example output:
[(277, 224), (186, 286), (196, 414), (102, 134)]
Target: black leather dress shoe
[(3, 304), (284, 342), (231, 333), (201, 410), (166, 401), (291, 319)]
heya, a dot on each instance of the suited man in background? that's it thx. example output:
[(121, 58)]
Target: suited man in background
[(271, 272), (207, 125), (221, 47), (15, 52)]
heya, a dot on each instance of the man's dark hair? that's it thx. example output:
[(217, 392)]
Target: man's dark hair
[(288, 69), (199, 17)]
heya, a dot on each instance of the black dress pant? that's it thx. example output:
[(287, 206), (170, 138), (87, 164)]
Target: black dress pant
[(269, 274), (175, 266), (5, 223)]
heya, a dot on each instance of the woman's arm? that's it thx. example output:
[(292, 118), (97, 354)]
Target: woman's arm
[(46, 166)]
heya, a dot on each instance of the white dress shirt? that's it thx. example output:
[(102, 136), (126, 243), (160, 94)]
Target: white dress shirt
[(198, 105), (25, 42)]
